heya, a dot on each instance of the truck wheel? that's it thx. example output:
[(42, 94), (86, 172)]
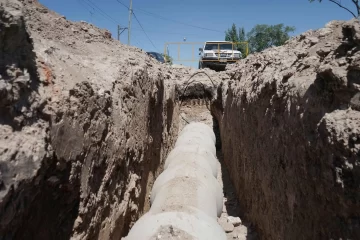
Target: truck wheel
[(200, 65)]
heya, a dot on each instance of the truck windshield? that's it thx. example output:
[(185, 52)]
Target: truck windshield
[(221, 46)]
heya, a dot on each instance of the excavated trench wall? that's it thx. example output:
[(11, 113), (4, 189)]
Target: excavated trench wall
[(82, 166), (118, 152), (79, 162), (290, 128)]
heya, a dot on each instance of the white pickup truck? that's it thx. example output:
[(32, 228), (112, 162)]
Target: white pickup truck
[(216, 54)]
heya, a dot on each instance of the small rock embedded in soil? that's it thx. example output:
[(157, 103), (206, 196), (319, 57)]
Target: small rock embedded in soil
[(236, 221), (227, 226), (355, 102)]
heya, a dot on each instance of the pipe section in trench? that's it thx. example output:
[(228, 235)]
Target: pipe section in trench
[(186, 198)]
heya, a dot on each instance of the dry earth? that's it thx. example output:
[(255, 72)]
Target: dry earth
[(83, 132), (290, 129), (86, 123)]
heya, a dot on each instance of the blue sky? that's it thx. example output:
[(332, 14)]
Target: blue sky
[(210, 14)]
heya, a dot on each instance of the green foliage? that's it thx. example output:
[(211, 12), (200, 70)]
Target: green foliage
[(168, 59), (263, 36), (234, 35), (242, 38)]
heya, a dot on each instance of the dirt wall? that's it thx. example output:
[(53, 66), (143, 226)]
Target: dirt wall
[(86, 122), (290, 130), (77, 158)]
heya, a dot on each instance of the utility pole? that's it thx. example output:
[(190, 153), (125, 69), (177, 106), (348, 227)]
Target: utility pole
[(120, 31), (129, 27)]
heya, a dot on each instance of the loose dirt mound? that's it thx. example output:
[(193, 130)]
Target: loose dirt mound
[(290, 128)]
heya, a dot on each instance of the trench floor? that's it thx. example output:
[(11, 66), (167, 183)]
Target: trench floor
[(230, 220)]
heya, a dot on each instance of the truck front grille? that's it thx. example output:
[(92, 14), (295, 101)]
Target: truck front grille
[(223, 54)]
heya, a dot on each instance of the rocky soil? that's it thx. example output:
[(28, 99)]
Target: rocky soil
[(83, 132), (290, 129), (86, 122)]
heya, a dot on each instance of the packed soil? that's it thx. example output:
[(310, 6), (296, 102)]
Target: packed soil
[(86, 124)]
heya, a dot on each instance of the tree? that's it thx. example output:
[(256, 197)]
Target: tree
[(168, 59), (339, 3), (234, 36), (242, 39), (263, 36), (260, 37), (242, 36)]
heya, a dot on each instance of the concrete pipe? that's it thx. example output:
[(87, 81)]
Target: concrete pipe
[(193, 222), (180, 192), (196, 139), (188, 185), (199, 127), (207, 161), (186, 196)]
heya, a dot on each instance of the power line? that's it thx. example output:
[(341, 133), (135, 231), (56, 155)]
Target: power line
[(138, 44), (175, 33), (99, 10), (87, 5), (145, 32), (148, 30), (175, 21), (90, 9), (168, 19), (123, 4), (92, 6), (104, 14)]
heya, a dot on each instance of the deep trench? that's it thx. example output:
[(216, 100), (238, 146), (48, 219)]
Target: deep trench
[(198, 110)]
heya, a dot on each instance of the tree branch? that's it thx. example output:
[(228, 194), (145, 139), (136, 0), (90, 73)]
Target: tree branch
[(343, 7), (356, 2)]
